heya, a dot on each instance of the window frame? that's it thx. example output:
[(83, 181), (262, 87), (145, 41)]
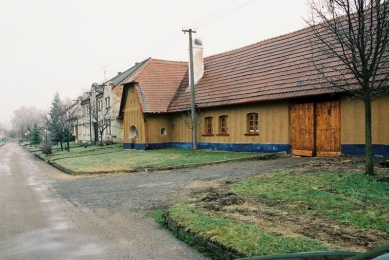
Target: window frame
[(100, 105), (223, 125), (107, 102), (252, 125), (108, 129), (208, 126)]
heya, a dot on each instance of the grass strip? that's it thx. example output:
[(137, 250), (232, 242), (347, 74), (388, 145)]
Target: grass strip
[(248, 240), (350, 198), (114, 158)]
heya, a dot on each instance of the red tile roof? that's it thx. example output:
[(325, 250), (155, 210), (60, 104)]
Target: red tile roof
[(158, 80), (277, 68)]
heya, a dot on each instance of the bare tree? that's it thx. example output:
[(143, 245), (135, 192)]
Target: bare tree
[(25, 117), (190, 123), (70, 117), (103, 116), (101, 112), (350, 51)]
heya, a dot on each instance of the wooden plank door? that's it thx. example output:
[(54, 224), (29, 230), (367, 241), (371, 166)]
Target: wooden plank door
[(327, 117), (302, 129)]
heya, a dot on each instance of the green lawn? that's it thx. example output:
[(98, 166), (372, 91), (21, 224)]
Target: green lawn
[(246, 239), (114, 158), (350, 199)]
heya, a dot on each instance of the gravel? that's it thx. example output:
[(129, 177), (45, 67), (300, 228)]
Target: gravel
[(152, 190)]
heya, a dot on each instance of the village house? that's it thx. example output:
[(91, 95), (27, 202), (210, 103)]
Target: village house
[(265, 97), (102, 102), (146, 94)]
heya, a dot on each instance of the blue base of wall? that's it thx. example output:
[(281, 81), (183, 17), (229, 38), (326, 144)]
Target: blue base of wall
[(134, 146), (379, 150), (261, 148), (348, 149)]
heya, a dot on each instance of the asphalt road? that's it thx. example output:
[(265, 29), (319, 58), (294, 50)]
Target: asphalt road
[(46, 214)]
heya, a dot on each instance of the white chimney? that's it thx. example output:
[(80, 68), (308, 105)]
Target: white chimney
[(198, 63)]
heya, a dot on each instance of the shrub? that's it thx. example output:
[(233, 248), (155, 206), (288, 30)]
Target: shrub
[(47, 148)]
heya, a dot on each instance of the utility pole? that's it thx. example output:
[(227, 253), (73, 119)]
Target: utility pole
[(192, 90), (90, 116)]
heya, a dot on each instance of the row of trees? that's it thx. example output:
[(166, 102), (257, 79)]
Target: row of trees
[(57, 125), (60, 120), (34, 125)]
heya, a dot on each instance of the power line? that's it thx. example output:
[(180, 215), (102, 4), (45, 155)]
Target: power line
[(224, 14), (212, 13), (203, 21)]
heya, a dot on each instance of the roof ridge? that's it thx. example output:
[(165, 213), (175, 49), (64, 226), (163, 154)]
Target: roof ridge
[(167, 61), (137, 72), (123, 75)]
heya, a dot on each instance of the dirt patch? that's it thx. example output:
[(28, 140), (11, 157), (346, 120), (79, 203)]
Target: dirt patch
[(342, 164), (219, 200)]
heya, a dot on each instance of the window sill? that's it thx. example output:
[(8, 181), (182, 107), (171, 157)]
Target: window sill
[(223, 134), (208, 135), (251, 134)]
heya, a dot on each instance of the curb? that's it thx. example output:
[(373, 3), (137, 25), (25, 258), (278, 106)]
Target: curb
[(213, 248), (56, 165)]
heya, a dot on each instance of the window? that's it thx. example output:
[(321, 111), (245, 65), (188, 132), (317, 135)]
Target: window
[(208, 123), (223, 123), (108, 130), (107, 102), (100, 105), (163, 131), (252, 123)]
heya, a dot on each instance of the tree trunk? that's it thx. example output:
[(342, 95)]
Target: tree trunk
[(368, 139)]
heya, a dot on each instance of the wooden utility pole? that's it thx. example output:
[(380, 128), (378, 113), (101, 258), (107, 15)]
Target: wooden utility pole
[(192, 90)]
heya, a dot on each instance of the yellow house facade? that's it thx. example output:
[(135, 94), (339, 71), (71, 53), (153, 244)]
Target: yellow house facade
[(263, 97)]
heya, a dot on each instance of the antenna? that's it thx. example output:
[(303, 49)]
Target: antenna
[(105, 71)]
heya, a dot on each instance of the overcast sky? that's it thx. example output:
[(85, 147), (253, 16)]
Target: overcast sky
[(64, 46)]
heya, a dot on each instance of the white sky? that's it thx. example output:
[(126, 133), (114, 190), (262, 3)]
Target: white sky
[(64, 46)]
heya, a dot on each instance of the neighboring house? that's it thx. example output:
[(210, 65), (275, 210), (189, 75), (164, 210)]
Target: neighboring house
[(86, 131), (102, 103), (146, 94), (265, 97), (113, 95)]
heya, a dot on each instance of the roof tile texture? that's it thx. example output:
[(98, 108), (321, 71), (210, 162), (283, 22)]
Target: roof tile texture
[(158, 81), (278, 68)]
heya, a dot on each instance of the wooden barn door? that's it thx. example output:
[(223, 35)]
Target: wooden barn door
[(315, 129), (302, 129), (328, 128)]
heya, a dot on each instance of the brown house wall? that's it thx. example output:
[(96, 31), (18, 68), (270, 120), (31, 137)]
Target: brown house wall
[(133, 117), (273, 124), (155, 125), (353, 121)]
